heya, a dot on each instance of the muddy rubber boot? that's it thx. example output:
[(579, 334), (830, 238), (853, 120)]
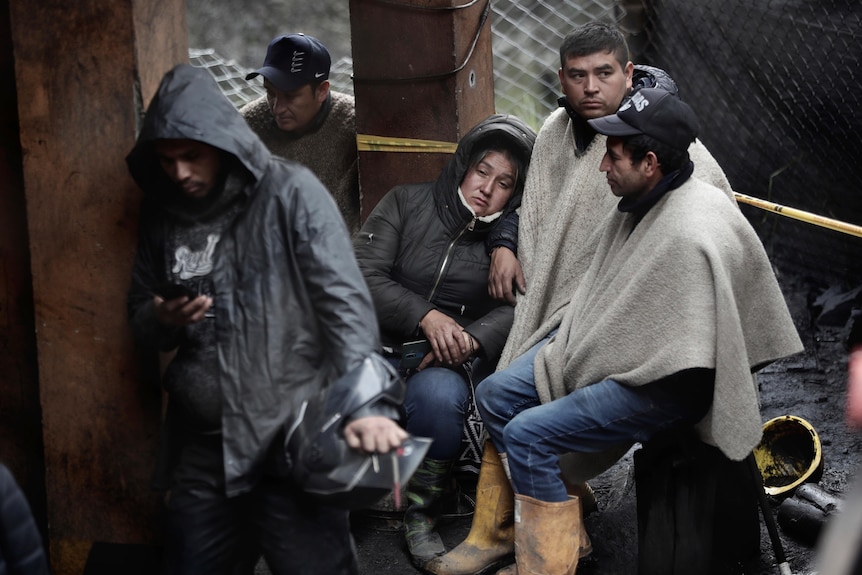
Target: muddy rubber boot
[(491, 540), (424, 492), (588, 504), (585, 546), (547, 537)]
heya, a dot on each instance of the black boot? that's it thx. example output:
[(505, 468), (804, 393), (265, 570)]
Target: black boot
[(424, 492)]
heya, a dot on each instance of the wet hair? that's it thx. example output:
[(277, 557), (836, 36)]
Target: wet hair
[(506, 147), (594, 37), (669, 158)]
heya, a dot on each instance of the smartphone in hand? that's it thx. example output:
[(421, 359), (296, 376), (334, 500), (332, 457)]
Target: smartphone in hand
[(173, 291), (412, 353)]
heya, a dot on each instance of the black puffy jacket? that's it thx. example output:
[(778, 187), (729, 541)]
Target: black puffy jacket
[(421, 249), (292, 311)]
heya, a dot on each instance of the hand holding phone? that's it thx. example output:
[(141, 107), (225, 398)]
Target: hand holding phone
[(173, 291), (412, 353), (179, 305)]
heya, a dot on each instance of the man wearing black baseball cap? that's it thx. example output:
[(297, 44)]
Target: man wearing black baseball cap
[(654, 112), (676, 310), (647, 147), (303, 120)]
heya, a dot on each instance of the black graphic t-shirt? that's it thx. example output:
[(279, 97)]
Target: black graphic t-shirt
[(190, 379)]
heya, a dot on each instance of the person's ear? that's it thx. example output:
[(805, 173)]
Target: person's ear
[(650, 164), (322, 91)]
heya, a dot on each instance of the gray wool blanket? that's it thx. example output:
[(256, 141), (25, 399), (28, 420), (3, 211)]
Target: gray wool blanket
[(566, 200), (690, 286)]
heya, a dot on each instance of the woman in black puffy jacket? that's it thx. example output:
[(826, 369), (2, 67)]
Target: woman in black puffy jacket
[(422, 252)]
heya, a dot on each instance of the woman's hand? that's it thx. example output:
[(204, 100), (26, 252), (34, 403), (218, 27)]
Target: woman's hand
[(451, 345)]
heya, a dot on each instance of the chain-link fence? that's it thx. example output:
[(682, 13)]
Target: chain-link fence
[(775, 83), (526, 43)]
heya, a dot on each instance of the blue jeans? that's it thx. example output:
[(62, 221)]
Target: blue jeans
[(437, 402), (588, 420)]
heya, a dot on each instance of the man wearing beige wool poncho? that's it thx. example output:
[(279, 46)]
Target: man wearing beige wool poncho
[(676, 311)]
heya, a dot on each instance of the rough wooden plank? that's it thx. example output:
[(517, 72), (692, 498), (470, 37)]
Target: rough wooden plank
[(80, 70)]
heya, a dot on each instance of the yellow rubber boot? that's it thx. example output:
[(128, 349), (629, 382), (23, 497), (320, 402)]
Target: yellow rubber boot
[(547, 537), (490, 542)]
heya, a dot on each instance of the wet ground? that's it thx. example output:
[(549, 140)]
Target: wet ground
[(810, 385)]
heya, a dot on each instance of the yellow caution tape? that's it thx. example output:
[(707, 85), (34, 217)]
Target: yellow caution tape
[(367, 143)]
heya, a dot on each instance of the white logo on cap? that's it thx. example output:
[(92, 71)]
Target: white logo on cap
[(639, 101), (296, 62), (319, 74)]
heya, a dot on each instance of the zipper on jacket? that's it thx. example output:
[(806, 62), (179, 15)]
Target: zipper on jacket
[(468, 228)]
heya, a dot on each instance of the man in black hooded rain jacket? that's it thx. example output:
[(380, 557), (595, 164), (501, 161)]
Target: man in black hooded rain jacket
[(275, 308)]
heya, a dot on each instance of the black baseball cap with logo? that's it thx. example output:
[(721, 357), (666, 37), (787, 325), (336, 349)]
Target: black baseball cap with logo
[(654, 112), (294, 60)]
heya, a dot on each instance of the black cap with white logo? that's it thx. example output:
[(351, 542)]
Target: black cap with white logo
[(656, 113), (293, 61)]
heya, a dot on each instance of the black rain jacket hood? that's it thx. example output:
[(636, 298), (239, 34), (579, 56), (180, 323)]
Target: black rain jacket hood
[(184, 109)]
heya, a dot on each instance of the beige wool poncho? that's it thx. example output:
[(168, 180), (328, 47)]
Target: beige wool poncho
[(690, 286)]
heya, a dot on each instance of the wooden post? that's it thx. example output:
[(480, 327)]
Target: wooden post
[(20, 415), (422, 69), (83, 72)]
